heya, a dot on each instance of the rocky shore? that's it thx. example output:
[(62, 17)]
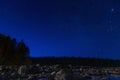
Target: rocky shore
[(57, 72)]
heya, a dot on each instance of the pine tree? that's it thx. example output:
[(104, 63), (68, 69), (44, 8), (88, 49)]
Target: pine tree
[(13, 53)]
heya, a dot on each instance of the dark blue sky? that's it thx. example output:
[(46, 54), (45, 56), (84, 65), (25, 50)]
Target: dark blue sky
[(85, 28)]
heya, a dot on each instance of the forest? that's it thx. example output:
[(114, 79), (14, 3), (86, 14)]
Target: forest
[(18, 53), (78, 61)]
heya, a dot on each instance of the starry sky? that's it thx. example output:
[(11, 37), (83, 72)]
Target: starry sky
[(79, 28)]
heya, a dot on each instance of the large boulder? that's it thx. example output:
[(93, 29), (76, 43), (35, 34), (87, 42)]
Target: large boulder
[(64, 74)]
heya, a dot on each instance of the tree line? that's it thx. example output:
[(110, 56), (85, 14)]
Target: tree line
[(76, 61), (13, 52), (17, 53)]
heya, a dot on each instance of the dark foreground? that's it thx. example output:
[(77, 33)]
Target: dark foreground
[(57, 72)]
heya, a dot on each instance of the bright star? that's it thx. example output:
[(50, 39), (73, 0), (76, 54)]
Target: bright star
[(112, 9)]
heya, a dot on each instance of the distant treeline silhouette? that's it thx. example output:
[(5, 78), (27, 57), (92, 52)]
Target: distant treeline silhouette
[(13, 52), (76, 61), (17, 53)]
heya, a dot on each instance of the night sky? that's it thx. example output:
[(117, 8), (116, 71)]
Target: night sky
[(80, 28)]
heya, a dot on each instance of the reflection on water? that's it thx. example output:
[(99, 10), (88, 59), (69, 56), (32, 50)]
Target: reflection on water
[(99, 78), (108, 76), (114, 77)]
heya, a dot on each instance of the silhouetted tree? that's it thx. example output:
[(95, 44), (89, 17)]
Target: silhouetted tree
[(11, 52), (22, 51)]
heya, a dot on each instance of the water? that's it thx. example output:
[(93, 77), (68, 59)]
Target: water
[(109, 77), (114, 77), (98, 78), (43, 79)]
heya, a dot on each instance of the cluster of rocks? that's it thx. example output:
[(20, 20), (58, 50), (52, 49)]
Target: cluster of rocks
[(53, 72)]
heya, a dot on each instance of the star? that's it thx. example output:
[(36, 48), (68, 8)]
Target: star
[(112, 10)]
